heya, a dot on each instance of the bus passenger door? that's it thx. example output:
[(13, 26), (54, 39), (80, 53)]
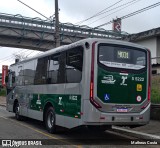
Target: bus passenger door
[(21, 91), (10, 85)]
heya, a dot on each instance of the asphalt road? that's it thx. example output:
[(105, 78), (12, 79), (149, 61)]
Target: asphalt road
[(30, 129)]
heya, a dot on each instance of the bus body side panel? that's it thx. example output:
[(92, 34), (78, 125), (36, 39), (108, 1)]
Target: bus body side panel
[(23, 100), (90, 113), (40, 96), (65, 98), (34, 109), (69, 106), (9, 102)]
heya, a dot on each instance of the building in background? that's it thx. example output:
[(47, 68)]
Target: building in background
[(151, 40), (1, 81)]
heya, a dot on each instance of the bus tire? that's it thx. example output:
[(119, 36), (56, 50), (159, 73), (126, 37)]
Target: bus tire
[(50, 120), (17, 116)]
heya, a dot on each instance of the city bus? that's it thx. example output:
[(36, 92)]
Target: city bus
[(94, 83)]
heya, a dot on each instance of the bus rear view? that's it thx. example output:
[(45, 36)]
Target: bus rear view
[(120, 84)]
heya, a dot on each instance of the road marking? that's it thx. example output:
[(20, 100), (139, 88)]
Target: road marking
[(121, 135), (136, 133), (3, 117), (43, 133)]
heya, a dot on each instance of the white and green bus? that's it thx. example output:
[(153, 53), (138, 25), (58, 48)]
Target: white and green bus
[(93, 82)]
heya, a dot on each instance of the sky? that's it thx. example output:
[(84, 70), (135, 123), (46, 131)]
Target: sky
[(74, 11)]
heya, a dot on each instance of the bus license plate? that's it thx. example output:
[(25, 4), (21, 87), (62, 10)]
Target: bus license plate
[(124, 110)]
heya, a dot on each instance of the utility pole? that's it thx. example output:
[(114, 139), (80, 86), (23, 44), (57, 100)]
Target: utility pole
[(57, 31)]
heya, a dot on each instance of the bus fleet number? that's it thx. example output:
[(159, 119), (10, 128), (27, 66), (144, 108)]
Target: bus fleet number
[(139, 79)]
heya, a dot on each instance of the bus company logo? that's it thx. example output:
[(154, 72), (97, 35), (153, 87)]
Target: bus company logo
[(108, 79), (124, 78), (38, 102), (60, 101)]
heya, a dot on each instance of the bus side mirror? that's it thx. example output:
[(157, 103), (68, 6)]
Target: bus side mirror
[(6, 79)]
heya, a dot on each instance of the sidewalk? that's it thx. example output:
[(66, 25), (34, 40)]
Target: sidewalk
[(151, 130), (2, 101)]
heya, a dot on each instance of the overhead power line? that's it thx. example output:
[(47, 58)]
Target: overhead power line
[(133, 13), (11, 56), (34, 10), (99, 13), (141, 10), (18, 52), (128, 4)]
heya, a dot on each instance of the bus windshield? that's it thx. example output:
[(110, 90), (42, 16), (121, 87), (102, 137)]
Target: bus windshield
[(123, 57)]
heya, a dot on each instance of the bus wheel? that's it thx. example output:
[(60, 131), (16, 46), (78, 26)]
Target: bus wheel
[(17, 116), (50, 120)]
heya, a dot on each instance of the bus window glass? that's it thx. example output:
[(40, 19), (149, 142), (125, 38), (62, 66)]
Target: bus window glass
[(19, 75), (10, 80), (29, 72), (74, 65), (41, 71), (122, 57), (53, 69)]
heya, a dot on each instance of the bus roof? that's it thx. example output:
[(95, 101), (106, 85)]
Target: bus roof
[(78, 43)]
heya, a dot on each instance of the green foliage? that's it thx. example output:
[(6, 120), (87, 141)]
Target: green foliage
[(155, 96), (3, 92), (155, 91)]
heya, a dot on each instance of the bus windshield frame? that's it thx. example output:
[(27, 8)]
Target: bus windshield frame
[(122, 58)]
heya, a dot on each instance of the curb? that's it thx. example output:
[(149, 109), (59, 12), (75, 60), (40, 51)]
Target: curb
[(3, 105), (137, 134), (155, 112)]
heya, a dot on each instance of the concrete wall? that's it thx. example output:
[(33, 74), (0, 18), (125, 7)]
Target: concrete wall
[(158, 49), (151, 44)]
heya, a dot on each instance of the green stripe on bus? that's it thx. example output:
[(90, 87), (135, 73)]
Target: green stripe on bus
[(67, 105)]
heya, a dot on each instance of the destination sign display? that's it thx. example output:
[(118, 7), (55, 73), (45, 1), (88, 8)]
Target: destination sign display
[(123, 54)]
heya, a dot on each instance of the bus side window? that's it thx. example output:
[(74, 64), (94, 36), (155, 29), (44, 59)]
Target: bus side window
[(74, 63), (41, 71), (61, 71), (20, 76), (10, 79), (52, 73), (13, 77)]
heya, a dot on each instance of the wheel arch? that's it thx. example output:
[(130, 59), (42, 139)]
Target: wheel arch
[(46, 106)]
